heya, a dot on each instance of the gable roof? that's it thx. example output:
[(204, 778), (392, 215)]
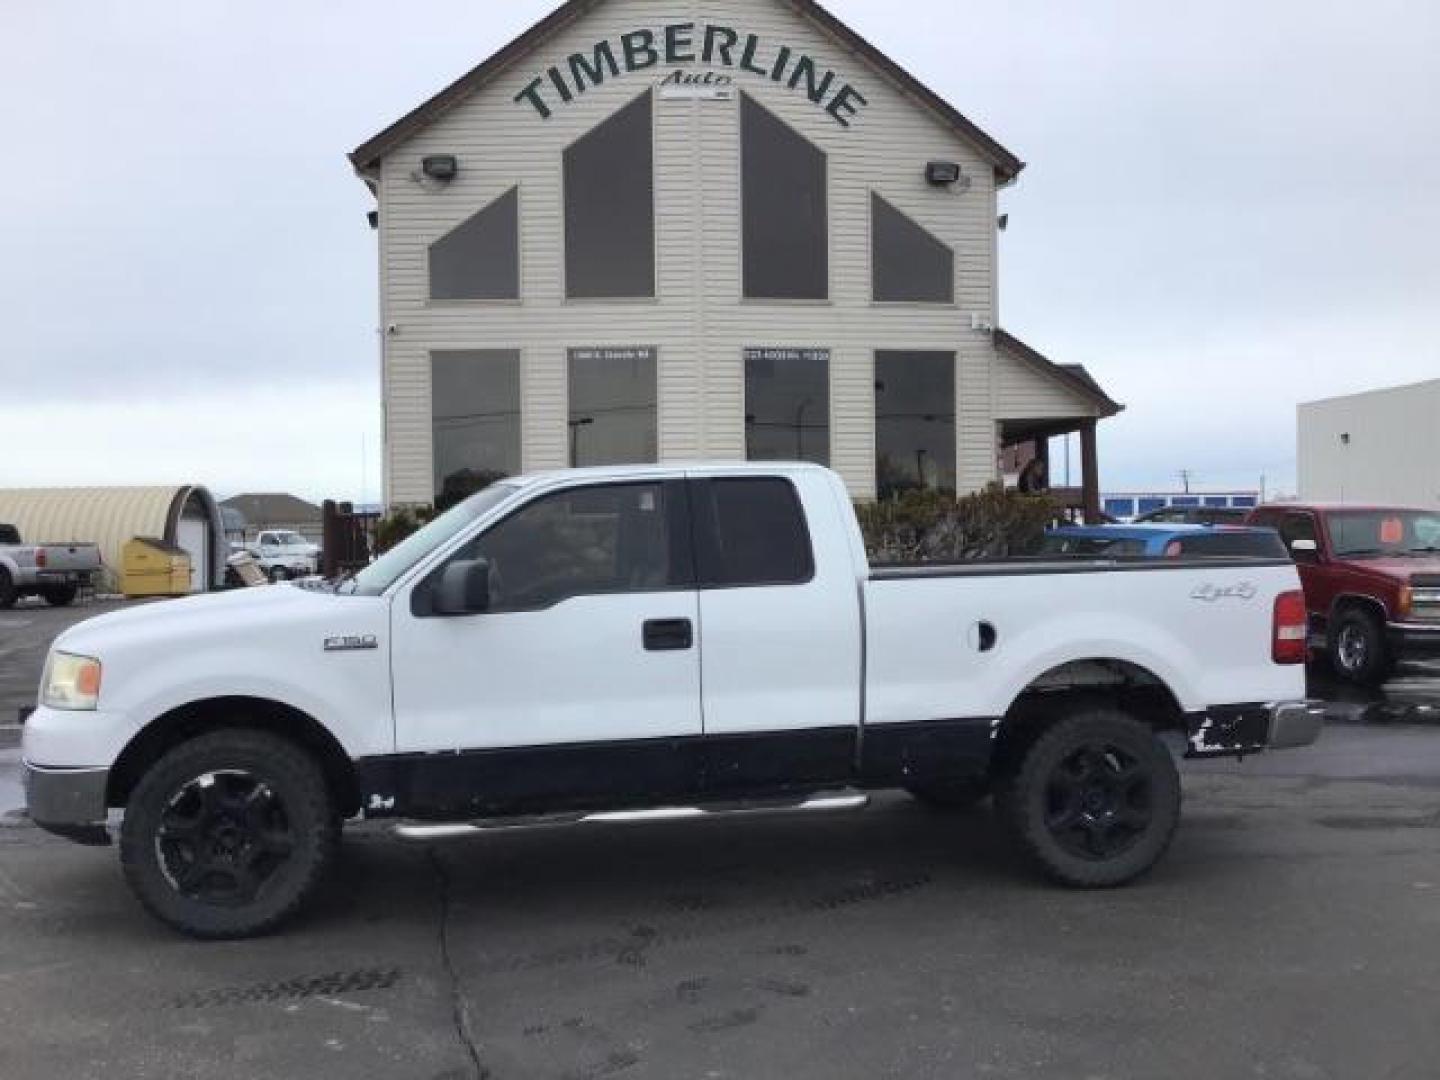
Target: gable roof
[(366, 157), (1074, 376), (265, 508)]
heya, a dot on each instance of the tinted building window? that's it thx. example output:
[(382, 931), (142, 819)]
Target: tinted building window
[(613, 411), (480, 258), (907, 263), (914, 421), (610, 208), (752, 532), (786, 231), (475, 420), (787, 405)]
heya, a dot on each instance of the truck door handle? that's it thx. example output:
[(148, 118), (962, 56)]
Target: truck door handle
[(669, 635)]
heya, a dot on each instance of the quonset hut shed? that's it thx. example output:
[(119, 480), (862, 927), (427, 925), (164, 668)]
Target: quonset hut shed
[(186, 516)]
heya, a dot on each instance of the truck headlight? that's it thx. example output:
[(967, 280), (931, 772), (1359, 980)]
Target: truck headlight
[(70, 682)]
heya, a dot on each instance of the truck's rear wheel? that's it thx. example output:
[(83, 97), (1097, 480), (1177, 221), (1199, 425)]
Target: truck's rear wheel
[(59, 595), (279, 574), (229, 834), (1095, 799), (7, 590), (1357, 647)]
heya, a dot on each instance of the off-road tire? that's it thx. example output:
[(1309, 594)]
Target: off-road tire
[(298, 786), (278, 574), (1357, 648), (950, 794), (1026, 799), (8, 595), (59, 595)]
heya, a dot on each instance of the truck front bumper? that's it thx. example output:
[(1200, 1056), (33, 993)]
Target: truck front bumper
[(68, 802), (1413, 639), (1237, 730)]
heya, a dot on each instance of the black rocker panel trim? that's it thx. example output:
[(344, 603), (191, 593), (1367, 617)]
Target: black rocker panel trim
[(655, 772), (899, 754)]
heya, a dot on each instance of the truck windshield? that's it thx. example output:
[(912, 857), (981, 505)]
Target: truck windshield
[(386, 570), (1356, 534)]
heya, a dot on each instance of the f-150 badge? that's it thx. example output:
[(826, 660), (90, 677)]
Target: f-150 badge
[(351, 642)]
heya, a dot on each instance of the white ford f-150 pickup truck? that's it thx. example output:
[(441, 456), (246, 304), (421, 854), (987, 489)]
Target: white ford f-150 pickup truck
[(613, 645)]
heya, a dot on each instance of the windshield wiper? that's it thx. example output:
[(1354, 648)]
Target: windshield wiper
[(1361, 552), (1431, 550)]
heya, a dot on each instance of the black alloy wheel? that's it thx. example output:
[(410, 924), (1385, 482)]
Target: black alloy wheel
[(1094, 799), (229, 834), (222, 837), (1098, 801)]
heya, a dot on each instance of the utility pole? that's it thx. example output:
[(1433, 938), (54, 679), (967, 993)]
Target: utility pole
[(1185, 477)]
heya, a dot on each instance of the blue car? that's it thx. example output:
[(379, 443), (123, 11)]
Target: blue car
[(1164, 541)]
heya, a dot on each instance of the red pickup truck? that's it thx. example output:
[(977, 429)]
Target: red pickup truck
[(1372, 581)]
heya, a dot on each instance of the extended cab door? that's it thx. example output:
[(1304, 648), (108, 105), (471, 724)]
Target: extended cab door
[(780, 614), (581, 683)]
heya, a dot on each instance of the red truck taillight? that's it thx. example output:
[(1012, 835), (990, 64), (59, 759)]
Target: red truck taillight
[(41, 558), (1289, 638)]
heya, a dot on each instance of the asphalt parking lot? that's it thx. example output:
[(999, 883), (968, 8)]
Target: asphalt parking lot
[(1294, 931)]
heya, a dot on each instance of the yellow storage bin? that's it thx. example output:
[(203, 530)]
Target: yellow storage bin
[(154, 568)]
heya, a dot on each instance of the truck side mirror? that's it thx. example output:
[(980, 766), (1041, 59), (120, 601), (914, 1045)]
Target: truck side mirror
[(1305, 550), (464, 588)]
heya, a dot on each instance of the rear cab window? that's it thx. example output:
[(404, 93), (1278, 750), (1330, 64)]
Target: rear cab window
[(751, 531)]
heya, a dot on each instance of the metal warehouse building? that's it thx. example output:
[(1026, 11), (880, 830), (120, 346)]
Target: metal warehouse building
[(677, 230), (1382, 446)]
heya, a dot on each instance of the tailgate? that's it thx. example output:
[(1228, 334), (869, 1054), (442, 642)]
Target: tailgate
[(71, 558)]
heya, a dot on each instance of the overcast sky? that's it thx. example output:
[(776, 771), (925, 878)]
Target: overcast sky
[(1229, 208)]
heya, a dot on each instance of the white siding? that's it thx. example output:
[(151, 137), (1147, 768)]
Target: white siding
[(1022, 392), (699, 321), (1393, 455)]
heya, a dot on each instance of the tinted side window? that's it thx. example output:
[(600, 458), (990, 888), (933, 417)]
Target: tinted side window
[(752, 532), (618, 538), (1297, 527), (9, 534), (610, 207)]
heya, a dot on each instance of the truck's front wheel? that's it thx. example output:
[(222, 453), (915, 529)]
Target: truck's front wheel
[(229, 834), (1358, 650), (1095, 799)]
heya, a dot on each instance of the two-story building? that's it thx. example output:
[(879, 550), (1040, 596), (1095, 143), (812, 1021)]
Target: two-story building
[(699, 229)]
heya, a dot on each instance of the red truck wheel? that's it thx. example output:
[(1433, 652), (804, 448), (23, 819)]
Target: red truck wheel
[(1357, 647)]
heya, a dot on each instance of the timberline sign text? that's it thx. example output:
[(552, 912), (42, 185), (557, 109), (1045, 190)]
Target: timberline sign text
[(689, 43)]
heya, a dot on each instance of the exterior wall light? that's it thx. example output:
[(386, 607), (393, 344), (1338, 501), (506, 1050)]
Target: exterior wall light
[(442, 168), (942, 173)]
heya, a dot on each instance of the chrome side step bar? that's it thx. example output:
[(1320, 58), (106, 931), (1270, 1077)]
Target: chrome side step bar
[(838, 802)]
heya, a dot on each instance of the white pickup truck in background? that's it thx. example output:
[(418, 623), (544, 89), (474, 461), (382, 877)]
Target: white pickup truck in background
[(53, 571), (610, 645), (284, 554)]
